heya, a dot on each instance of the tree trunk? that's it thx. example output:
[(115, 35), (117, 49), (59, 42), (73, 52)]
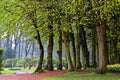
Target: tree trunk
[(8, 41), (111, 55), (33, 49), (66, 64), (115, 51), (39, 67), (84, 49), (101, 30), (78, 43), (16, 43), (108, 55), (15, 47), (59, 52), (97, 55), (49, 65), (27, 48), (119, 55), (106, 50), (94, 48), (67, 50), (73, 47), (19, 51)]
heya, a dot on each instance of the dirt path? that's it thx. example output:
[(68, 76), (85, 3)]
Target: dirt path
[(31, 76)]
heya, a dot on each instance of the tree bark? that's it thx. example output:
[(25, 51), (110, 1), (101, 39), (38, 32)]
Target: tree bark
[(38, 38), (49, 65), (94, 63), (78, 43), (19, 49), (73, 47), (59, 52), (84, 49), (33, 49), (67, 50), (39, 67), (111, 55), (106, 51), (101, 31), (115, 51), (27, 48)]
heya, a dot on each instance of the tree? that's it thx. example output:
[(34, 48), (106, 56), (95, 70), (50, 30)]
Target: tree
[(32, 15), (93, 32), (102, 14), (78, 43), (28, 46), (67, 49), (8, 53), (39, 68), (101, 45), (101, 30), (33, 49), (59, 52), (85, 52), (49, 65), (73, 48)]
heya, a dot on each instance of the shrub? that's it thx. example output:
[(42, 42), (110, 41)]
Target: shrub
[(21, 63), (114, 67), (10, 62), (27, 62), (55, 62)]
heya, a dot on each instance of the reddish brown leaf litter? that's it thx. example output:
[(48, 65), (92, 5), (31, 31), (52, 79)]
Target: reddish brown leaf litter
[(39, 76)]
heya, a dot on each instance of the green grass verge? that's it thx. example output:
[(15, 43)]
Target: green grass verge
[(7, 71), (13, 71), (76, 76), (27, 69)]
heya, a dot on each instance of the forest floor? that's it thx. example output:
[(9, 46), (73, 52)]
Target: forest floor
[(39, 76)]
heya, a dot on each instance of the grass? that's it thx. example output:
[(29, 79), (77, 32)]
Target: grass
[(27, 69), (7, 71), (55, 68), (76, 76), (13, 71)]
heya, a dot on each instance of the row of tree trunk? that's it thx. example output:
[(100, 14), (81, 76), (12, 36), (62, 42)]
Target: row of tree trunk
[(78, 40)]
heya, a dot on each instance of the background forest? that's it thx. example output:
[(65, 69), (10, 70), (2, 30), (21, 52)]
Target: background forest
[(78, 33)]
